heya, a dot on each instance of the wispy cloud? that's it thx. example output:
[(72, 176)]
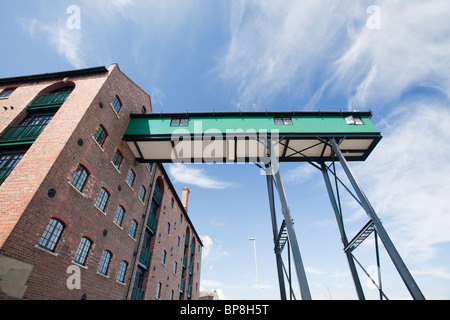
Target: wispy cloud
[(195, 176), (275, 48), (324, 48), (408, 178), (409, 49), (211, 251), (67, 42), (435, 272)]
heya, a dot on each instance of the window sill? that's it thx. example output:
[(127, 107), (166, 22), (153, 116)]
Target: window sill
[(46, 250), (84, 196), (129, 185), (122, 283), (116, 167), (103, 275), (101, 148), (79, 265), (118, 226), (114, 111), (100, 210)]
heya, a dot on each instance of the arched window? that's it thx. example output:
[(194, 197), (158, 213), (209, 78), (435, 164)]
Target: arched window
[(119, 215), (158, 291), (158, 193), (117, 160), (5, 93), (104, 263), (130, 177), (83, 251), (52, 96), (100, 135), (51, 235), (133, 229), (122, 271), (116, 104), (102, 199), (79, 178), (142, 193)]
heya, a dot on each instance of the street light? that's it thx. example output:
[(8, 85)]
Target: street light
[(256, 264)]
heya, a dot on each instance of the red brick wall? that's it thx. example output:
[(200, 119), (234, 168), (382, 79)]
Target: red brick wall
[(50, 162), (163, 273), (57, 153)]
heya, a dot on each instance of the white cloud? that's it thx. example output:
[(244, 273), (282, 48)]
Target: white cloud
[(66, 42), (276, 48), (302, 173), (314, 271), (408, 178), (193, 176), (210, 285), (210, 250), (434, 272), (291, 48), (410, 49)]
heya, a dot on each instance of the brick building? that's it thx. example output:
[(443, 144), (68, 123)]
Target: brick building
[(80, 218)]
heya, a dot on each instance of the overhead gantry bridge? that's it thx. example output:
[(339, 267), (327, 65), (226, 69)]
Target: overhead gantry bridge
[(266, 139)]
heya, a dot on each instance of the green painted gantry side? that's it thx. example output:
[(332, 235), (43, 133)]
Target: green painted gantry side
[(239, 136), (303, 123)]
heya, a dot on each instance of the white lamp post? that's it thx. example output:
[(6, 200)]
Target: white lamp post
[(256, 264)]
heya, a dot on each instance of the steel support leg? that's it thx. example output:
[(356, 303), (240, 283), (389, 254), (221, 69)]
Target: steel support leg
[(338, 215), (300, 270), (391, 250), (275, 237)]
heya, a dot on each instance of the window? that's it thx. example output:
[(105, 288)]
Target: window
[(116, 104), (181, 218), (79, 178), (139, 279), (158, 291), (100, 135), (133, 228), (122, 271), (178, 241), (168, 228), (353, 120), (7, 92), (117, 160), (51, 235), (102, 199), (142, 193), (82, 251), (35, 120), (163, 260), (7, 164), (119, 215), (283, 121), (143, 110), (104, 263), (171, 295), (179, 122), (175, 267), (149, 167), (130, 178), (171, 203), (147, 239)]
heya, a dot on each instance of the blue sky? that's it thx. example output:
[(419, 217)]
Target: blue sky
[(391, 57)]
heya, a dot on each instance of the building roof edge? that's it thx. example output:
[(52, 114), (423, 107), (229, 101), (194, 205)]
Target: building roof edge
[(53, 75)]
